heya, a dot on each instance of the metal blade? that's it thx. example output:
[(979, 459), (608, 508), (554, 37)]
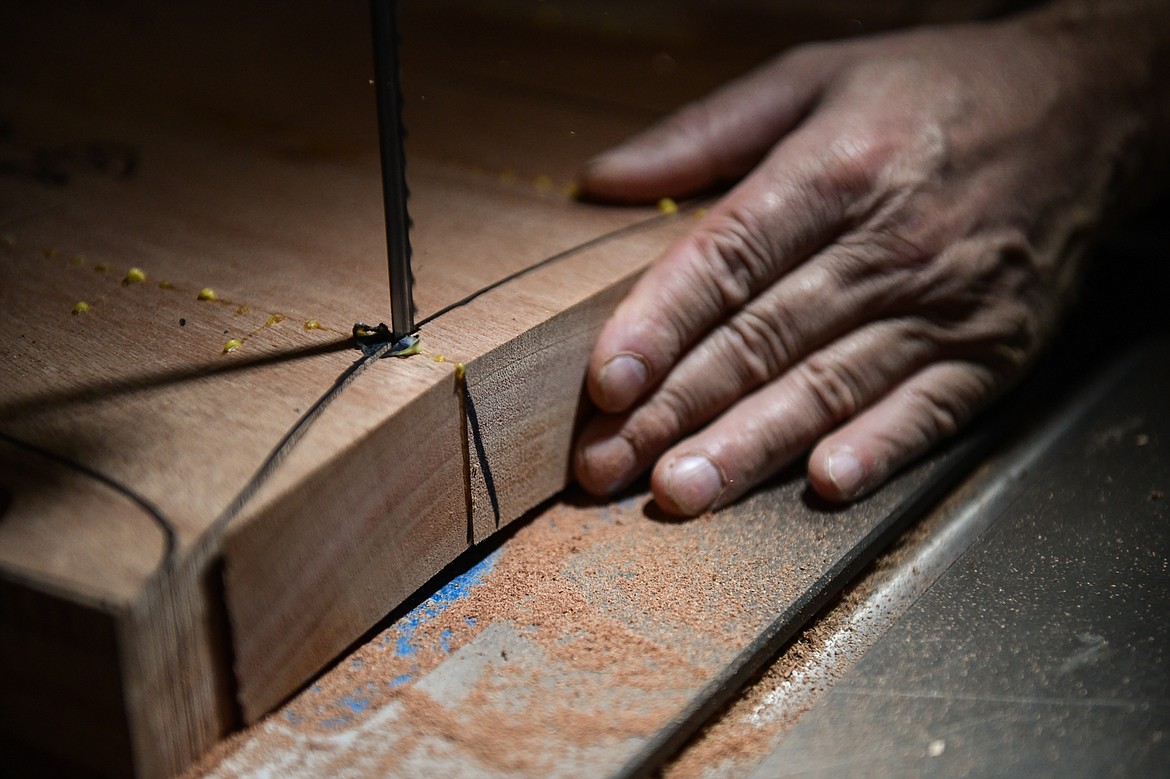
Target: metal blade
[(384, 18)]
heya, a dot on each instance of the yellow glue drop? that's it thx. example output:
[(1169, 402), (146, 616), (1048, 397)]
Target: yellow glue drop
[(312, 324), (77, 259), (207, 293), (667, 206), (232, 345), (80, 308), (164, 284), (543, 183), (460, 371), (411, 350), (273, 319), (439, 358), (134, 276)]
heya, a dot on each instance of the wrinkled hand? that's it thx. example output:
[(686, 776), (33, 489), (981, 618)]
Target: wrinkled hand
[(906, 233)]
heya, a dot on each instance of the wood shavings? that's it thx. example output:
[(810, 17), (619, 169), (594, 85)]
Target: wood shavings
[(371, 339)]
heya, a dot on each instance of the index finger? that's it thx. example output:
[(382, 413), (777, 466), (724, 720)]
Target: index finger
[(797, 201)]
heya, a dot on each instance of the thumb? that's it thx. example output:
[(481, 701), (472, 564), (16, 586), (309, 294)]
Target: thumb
[(718, 138)]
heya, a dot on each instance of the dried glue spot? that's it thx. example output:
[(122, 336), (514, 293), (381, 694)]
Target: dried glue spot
[(164, 284), (543, 183), (667, 206), (80, 308), (207, 293), (232, 345), (77, 260), (101, 267), (7, 240), (51, 254), (243, 308), (572, 191), (273, 319), (439, 358), (507, 176), (460, 371), (134, 276), (312, 324)]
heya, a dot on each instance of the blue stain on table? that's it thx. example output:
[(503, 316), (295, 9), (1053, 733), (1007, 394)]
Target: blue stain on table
[(357, 704), (406, 629), (407, 637)]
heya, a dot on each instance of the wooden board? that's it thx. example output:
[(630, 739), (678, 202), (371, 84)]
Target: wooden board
[(229, 146), (214, 146)]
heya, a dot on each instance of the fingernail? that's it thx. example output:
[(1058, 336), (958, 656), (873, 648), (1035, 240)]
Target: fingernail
[(609, 464), (618, 157), (622, 381), (693, 483), (845, 472)]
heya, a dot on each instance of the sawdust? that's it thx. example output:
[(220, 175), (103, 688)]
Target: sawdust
[(750, 727), (604, 623)]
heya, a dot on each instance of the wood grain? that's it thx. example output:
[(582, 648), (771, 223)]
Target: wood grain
[(127, 430), (222, 145)]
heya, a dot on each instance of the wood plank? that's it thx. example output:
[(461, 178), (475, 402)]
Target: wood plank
[(129, 425), (221, 145)]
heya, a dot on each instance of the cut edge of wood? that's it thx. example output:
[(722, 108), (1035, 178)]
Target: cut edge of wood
[(344, 567)]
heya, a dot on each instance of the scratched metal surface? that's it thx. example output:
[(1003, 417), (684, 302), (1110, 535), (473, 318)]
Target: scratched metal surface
[(1044, 650), (592, 641)]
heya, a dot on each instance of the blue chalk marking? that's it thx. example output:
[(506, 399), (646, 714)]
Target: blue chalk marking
[(399, 681), (457, 589), (357, 663), (470, 621), (356, 705), (335, 722), (292, 717), (445, 641)]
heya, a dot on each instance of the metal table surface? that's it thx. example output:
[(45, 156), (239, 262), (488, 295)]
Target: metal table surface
[(1043, 649)]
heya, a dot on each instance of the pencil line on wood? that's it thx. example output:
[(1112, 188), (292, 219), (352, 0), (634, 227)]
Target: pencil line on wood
[(461, 392), (170, 536), (621, 232), (294, 435), (298, 430)]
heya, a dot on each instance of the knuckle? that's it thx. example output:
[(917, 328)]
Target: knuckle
[(940, 414), (735, 256), (853, 163), (834, 389), (761, 346)]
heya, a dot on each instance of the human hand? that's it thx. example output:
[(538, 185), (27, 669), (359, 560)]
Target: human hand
[(908, 229)]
